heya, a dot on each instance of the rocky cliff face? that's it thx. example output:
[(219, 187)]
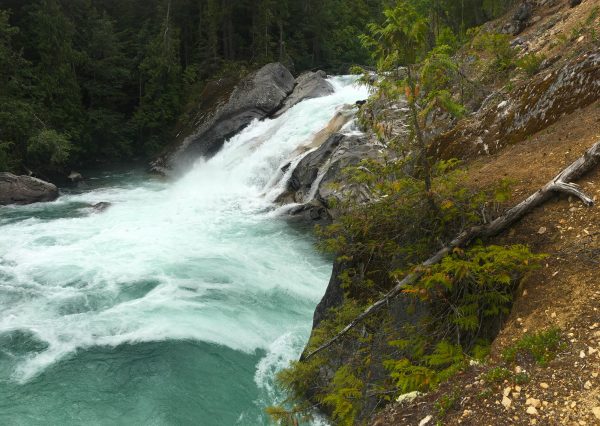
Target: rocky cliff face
[(510, 118), (319, 178), (309, 85), (227, 106), (226, 112)]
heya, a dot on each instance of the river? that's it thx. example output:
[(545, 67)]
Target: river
[(177, 304)]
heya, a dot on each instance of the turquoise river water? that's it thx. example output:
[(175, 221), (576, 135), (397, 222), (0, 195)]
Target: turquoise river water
[(175, 306)]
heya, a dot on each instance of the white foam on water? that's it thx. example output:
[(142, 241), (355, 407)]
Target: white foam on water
[(200, 258)]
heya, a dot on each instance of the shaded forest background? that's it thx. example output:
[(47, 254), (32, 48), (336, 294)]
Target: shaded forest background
[(90, 81)]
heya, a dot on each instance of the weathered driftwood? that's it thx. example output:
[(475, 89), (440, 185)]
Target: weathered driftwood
[(560, 184)]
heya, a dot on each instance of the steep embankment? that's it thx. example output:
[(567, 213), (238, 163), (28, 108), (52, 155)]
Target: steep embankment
[(526, 124), (528, 135), (564, 293)]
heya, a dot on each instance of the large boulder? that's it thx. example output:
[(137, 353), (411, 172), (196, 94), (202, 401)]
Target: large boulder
[(25, 190), (309, 85), (226, 109), (319, 177), (519, 20), (307, 171)]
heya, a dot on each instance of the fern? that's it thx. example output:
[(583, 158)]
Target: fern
[(425, 371), (344, 396)]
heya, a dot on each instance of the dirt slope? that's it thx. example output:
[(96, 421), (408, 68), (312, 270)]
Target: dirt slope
[(565, 293)]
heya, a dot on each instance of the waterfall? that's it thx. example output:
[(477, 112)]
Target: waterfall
[(178, 303)]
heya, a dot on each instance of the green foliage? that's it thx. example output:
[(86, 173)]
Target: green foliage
[(344, 392), (161, 86), (447, 402), (447, 37), (297, 379), (401, 38), (337, 319), (15, 111), (114, 75), (594, 13), (542, 347), (438, 69), (284, 417), (49, 147), (6, 162), (300, 378), (438, 72), (481, 350), (417, 209), (530, 63), (485, 393), (466, 294), (522, 378), (425, 371), (401, 225), (498, 47), (496, 375), (281, 416), (470, 288), (585, 27)]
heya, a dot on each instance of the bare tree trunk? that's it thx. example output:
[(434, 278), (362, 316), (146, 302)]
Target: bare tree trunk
[(167, 22), (560, 184)]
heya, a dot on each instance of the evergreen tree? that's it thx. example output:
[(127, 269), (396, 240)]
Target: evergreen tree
[(161, 84), (55, 82), (103, 75), (15, 111)]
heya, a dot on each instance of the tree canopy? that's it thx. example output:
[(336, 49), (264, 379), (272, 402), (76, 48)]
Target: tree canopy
[(105, 79)]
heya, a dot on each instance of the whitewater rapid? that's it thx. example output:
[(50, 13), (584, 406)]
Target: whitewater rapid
[(201, 259)]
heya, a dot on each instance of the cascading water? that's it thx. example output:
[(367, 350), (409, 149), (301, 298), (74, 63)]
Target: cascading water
[(177, 304)]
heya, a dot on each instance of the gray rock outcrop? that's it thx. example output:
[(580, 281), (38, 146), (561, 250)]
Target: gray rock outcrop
[(75, 177), (309, 85), (540, 102), (226, 111), (101, 206), (25, 190), (318, 178), (519, 20)]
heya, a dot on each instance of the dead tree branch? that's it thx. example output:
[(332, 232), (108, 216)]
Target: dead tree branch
[(562, 183)]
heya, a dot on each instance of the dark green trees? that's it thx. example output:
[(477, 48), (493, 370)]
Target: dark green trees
[(15, 113), (110, 77), (160, 86), (95, 80), (103, 75)]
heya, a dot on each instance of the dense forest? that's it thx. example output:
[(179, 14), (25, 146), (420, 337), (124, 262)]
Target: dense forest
[(88, 81)]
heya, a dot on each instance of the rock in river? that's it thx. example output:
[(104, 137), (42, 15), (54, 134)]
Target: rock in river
[(25, 190), (309, 85)]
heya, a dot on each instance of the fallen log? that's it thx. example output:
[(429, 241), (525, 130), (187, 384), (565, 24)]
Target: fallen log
[(562, 183)]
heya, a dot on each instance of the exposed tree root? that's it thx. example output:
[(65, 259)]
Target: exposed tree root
[(562, 183)]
